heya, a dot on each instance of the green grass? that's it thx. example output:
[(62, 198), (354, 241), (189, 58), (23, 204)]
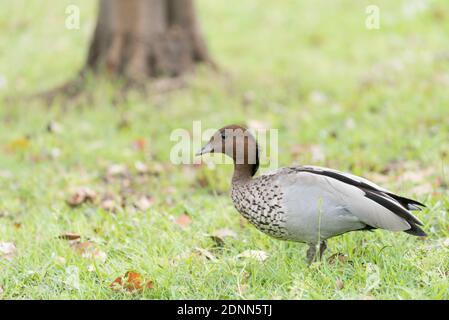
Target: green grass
[(382, 111)]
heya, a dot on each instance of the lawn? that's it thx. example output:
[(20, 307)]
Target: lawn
[(371, 102)]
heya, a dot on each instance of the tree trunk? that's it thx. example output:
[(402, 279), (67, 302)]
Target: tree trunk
[(139, 39)]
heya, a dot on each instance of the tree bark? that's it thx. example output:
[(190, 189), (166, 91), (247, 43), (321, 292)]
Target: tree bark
[(141, 39)]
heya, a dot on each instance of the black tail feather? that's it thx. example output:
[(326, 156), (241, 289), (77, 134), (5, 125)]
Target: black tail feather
[(407, 203), (416, 231)]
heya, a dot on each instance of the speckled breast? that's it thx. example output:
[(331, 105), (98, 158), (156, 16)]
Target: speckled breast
[(259, 201)]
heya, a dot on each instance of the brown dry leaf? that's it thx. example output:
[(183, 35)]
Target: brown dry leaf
[(132, 281), (81, 247), (205, 253), (16, 145), (88, 250), (258, 255), (224, 233), (95, 254), (339, 284), (144, 203), (220, 235), (183, 220), (60, 260), (170, 190), (108, 204), (156, 168), (8, 250), (80, 196), (140, 144), (115, 170), (69, 236), (54, 127), (338, 257), (141, 167)]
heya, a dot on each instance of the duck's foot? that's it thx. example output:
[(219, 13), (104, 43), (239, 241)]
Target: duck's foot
[(312, 251)]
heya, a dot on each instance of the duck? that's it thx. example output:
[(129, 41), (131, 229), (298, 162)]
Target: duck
[(308, 204)]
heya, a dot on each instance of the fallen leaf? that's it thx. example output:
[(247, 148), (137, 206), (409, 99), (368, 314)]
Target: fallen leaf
[(225, 233), (108, 204), (20, 144), (141, 167), (219, 236), (205, 253), (132, 281), (80, 196), (258, 255), (8, 250), (339, 284), (81, 247), (60, 260), (140, 144), (54, 127), (95, 254), (117, 170), (170, 190), (143, 203), (183, 220), (88, 250), (156, 168), (54, 153), (69, 236), (338, 257)]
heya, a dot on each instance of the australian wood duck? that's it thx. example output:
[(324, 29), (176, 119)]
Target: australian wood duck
[(308, 204)]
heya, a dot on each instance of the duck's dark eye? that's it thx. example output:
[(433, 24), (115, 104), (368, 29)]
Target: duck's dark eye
[(223, 136)]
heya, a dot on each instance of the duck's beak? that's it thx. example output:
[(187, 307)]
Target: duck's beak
[(206, 149)]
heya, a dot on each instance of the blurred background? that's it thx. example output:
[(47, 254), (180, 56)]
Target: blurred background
[(343, 94)]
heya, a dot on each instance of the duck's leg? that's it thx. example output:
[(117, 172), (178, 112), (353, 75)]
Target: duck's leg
[(323, 247), (312, 251)]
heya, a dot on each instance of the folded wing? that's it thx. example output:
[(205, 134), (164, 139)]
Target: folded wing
[(373, 205)]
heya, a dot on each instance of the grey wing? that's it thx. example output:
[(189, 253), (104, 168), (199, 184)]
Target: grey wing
[(340, 198), (365, 184)]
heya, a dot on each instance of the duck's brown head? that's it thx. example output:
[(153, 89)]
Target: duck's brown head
[(238, 143)]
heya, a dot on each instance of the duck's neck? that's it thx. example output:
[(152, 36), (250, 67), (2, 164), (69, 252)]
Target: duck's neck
[(243, 173)]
